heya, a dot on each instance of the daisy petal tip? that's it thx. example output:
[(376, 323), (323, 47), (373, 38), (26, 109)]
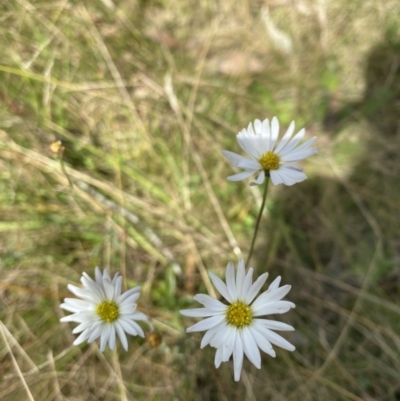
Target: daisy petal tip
[(77, 342), (211, 274)]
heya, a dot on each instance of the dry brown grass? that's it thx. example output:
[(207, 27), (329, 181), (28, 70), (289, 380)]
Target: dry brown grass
[(144, 95)]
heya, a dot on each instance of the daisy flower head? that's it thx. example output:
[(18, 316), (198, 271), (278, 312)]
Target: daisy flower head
[(103, 311), (268, 156), (236, 328)]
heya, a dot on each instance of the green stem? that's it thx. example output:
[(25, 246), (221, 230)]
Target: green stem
[(258, 220)]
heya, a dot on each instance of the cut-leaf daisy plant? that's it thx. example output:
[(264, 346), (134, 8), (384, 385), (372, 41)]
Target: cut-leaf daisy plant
[(268, 156), (103, 311), (236, 328)]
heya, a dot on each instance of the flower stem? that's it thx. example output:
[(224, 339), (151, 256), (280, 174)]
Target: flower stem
[(258, 220)]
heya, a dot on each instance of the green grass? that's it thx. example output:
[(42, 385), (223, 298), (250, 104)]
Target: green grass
[(141, 98)]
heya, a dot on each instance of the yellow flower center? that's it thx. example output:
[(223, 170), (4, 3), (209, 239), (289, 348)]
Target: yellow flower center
[(269, 161), (239, 315), (108, 311)]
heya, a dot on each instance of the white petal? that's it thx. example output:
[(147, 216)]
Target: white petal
[(220, 286), (92, 286), (80, 317), (121, 334), (70, 318), (285, 138), (139, 330), (275, 177), (85, 294), (128, 293), (289, 176), (292, 166), (230, 280), (275, 284), (228, 345), (219, 339), (115, 278), (258, 126), (260, 179), (138, 316), (273, 337), (210, 303), (249, 145), (111, 340), (131, 327), (98, 276), (278, 340), (105, 335), (87, 281), (255, 288), (296, 156), (266, 135), (132, 316), (240, 277), (306, 146), (263, 343), (268, 297), (199, 312), (293, 143), (83, 337), (271, 296), (77, 305), (274, 325), (127, 309), (249, 165), (213, 332), (82, 327), (234, 158), (292, 174), (274, 133), (206, 324), (250, 347), (247, 283), (117, 283), (218, 357), (106, 275), (96, 331), (250, 130), (288, 180), (241, 176), (279, 307), (108, 288), (130, 300), (237, 356)]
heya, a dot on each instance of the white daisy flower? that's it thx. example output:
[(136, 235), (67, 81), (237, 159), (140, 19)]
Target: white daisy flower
[(234, 328), (267, 156), (103, 311)]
